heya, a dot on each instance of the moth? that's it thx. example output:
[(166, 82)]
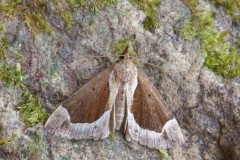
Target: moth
[(120, 97)]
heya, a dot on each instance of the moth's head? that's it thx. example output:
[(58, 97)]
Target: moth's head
[(125, 69), (125, 55), (125, 58)]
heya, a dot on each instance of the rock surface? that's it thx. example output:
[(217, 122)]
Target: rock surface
[(206, 106)]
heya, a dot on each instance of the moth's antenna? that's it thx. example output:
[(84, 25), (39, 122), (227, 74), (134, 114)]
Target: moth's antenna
[(125, 53)]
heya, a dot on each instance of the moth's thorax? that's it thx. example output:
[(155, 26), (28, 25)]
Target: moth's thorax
[(124, 71)]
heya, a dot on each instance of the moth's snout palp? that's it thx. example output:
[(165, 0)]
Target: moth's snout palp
[(125, 54)]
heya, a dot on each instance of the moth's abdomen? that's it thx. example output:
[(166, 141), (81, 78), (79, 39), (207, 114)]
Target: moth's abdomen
[(120, 108)]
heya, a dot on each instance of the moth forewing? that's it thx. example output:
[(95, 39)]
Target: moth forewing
[(85, 111), (149, 113)]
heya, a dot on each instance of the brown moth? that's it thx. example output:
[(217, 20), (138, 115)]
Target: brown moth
[(119, 96)]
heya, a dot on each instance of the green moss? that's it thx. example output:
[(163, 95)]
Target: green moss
[(150, 23), (73, 3), (191, 4), (6, 140), (3, 53), (11, 74), (231, 7), (67, 17), (2, 28), (65, 10), (120, 45), (149, 8), (32, 109), (209, 94), (8, 9), (163, 153), (4, 42), (18, 56), (3, 47), (238, 44), (37, 23), (221, 57), (31, 14), (189, 31), (137, 61), (95, 5), (113, 136)]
